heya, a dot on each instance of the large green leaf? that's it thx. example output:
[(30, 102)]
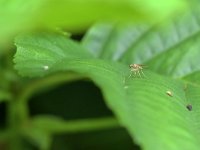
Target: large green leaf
[(156, 120), (169, 48), (22, 15)]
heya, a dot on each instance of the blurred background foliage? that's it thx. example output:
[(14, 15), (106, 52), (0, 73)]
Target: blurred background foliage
[(79, 99), (77, 15)]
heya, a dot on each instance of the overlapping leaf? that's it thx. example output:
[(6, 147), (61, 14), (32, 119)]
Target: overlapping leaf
[(155, 119), (170, 48)]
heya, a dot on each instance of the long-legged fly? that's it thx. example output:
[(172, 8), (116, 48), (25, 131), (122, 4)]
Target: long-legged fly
[(136, 69)]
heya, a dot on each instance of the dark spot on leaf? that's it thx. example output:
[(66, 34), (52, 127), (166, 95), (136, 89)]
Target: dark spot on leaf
[(189, 107)]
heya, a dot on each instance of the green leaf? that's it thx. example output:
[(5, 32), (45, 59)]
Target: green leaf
[(163, 121), (155, 119), (77, 15), (47, 49), (169, 48)]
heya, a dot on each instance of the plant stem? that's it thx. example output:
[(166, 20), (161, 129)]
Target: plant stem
[(18, 112), (55, 125)]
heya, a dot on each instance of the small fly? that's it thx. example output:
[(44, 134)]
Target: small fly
[(137, 69)]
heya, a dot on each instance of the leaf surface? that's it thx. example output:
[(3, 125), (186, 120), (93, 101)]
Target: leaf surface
[(155, 119), (169, 48)]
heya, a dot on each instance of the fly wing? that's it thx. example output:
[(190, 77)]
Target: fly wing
[(143, 66)]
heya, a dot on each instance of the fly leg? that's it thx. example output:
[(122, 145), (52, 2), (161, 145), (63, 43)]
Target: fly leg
[(143, 73)]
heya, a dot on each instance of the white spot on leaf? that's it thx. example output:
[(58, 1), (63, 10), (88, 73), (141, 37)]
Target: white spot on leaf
[(46, 67), (126, 87), (169, 93)]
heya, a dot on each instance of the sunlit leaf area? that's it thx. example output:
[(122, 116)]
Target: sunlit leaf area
[(99, 75)]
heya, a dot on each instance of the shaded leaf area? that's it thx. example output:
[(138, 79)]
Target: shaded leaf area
[(154, 119), (77, 15), (116, 139), (84, 93), (77, 101), (7, 75), (169, 48), (3, 116)]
